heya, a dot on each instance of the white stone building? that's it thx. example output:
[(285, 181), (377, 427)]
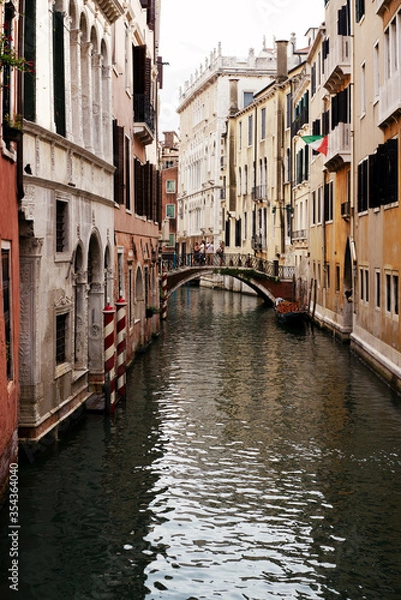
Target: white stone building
[(205, 105), (66, 232)]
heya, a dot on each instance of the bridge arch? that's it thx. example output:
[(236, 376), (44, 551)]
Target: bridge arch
[(268, 288)]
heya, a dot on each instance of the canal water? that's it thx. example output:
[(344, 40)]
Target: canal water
[(249, 462)]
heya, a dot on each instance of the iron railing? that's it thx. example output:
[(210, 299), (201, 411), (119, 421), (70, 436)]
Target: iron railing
[(229, 260)]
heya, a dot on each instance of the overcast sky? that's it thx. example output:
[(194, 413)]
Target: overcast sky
[(190, 30)]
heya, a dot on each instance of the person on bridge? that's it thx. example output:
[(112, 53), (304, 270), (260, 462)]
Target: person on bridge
[(209, 253), (220, 253), (202, 253), (196, 253)]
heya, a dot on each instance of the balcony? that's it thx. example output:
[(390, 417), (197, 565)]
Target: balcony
[(259, 193), (337, 65), (390, 99), (339, 150), (300, 235), (144, 119)]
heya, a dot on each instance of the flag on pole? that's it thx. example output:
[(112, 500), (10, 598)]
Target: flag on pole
[(319, 143)]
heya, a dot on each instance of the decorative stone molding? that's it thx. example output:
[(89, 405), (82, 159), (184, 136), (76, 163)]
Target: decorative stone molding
[(62, 302), (112, 9)]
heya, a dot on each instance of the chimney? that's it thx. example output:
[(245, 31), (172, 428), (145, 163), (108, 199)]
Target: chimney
[(233, 96), (282, 62)]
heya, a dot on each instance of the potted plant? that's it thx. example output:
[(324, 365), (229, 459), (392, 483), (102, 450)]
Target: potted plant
[(152, 310), (12, 128)]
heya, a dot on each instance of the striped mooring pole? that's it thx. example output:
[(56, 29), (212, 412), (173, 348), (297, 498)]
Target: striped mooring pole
[(164, 293), (121, 307), (109, 356)]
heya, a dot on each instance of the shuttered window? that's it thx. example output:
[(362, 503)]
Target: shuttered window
[(118, 161), (6, 291), (58, 72), (30, 55)]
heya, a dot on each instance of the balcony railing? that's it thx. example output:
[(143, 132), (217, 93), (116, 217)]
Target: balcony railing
[(337, 65), (390, 98), (259, 192), (144, 118), (230, 260), (300, 234)]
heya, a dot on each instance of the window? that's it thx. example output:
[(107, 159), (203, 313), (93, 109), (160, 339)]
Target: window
[(392, 293), (388, 292), (61, 226), (378, 177), (328, 276), (319, 204), (248, 97), (378, 289), (359, 9), (313, 220), (263, 124), (250, 130), (363, 186), (61, 338), (238, 228), (363, 89), (171, 241), (127, 173), (338, 275), (344, 20), (376, 72), (7, 304), (289, 110), (328, 202), (30, 55), (120, 272), (240, 135), (364, 284), (58, 72), (170, 186), (170, 211)]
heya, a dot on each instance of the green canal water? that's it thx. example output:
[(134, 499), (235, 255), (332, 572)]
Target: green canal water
[(248, 463)]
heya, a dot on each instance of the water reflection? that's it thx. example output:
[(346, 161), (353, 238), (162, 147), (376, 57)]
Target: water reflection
[(249, 462)]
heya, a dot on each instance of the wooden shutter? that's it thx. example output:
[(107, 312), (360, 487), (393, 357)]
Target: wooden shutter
[(58, 72), (118, 161)]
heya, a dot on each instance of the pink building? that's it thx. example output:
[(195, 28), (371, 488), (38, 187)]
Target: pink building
[(9, 268)]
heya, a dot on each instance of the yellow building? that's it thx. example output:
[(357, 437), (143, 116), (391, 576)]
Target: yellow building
[(377, 219), (258, 166)]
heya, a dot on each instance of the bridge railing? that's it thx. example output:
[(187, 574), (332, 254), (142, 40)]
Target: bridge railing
[(246, 261)]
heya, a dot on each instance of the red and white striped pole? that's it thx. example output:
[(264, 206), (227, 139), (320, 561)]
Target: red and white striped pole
[(121, 307), (109, 356), (164, 293)]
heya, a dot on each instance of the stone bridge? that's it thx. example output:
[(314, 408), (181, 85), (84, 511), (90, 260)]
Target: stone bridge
[(268, 279)]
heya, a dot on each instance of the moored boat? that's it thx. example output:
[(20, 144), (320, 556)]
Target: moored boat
[(289, 312)]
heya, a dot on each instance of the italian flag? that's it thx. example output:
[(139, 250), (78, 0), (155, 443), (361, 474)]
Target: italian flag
[(320, 143)]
